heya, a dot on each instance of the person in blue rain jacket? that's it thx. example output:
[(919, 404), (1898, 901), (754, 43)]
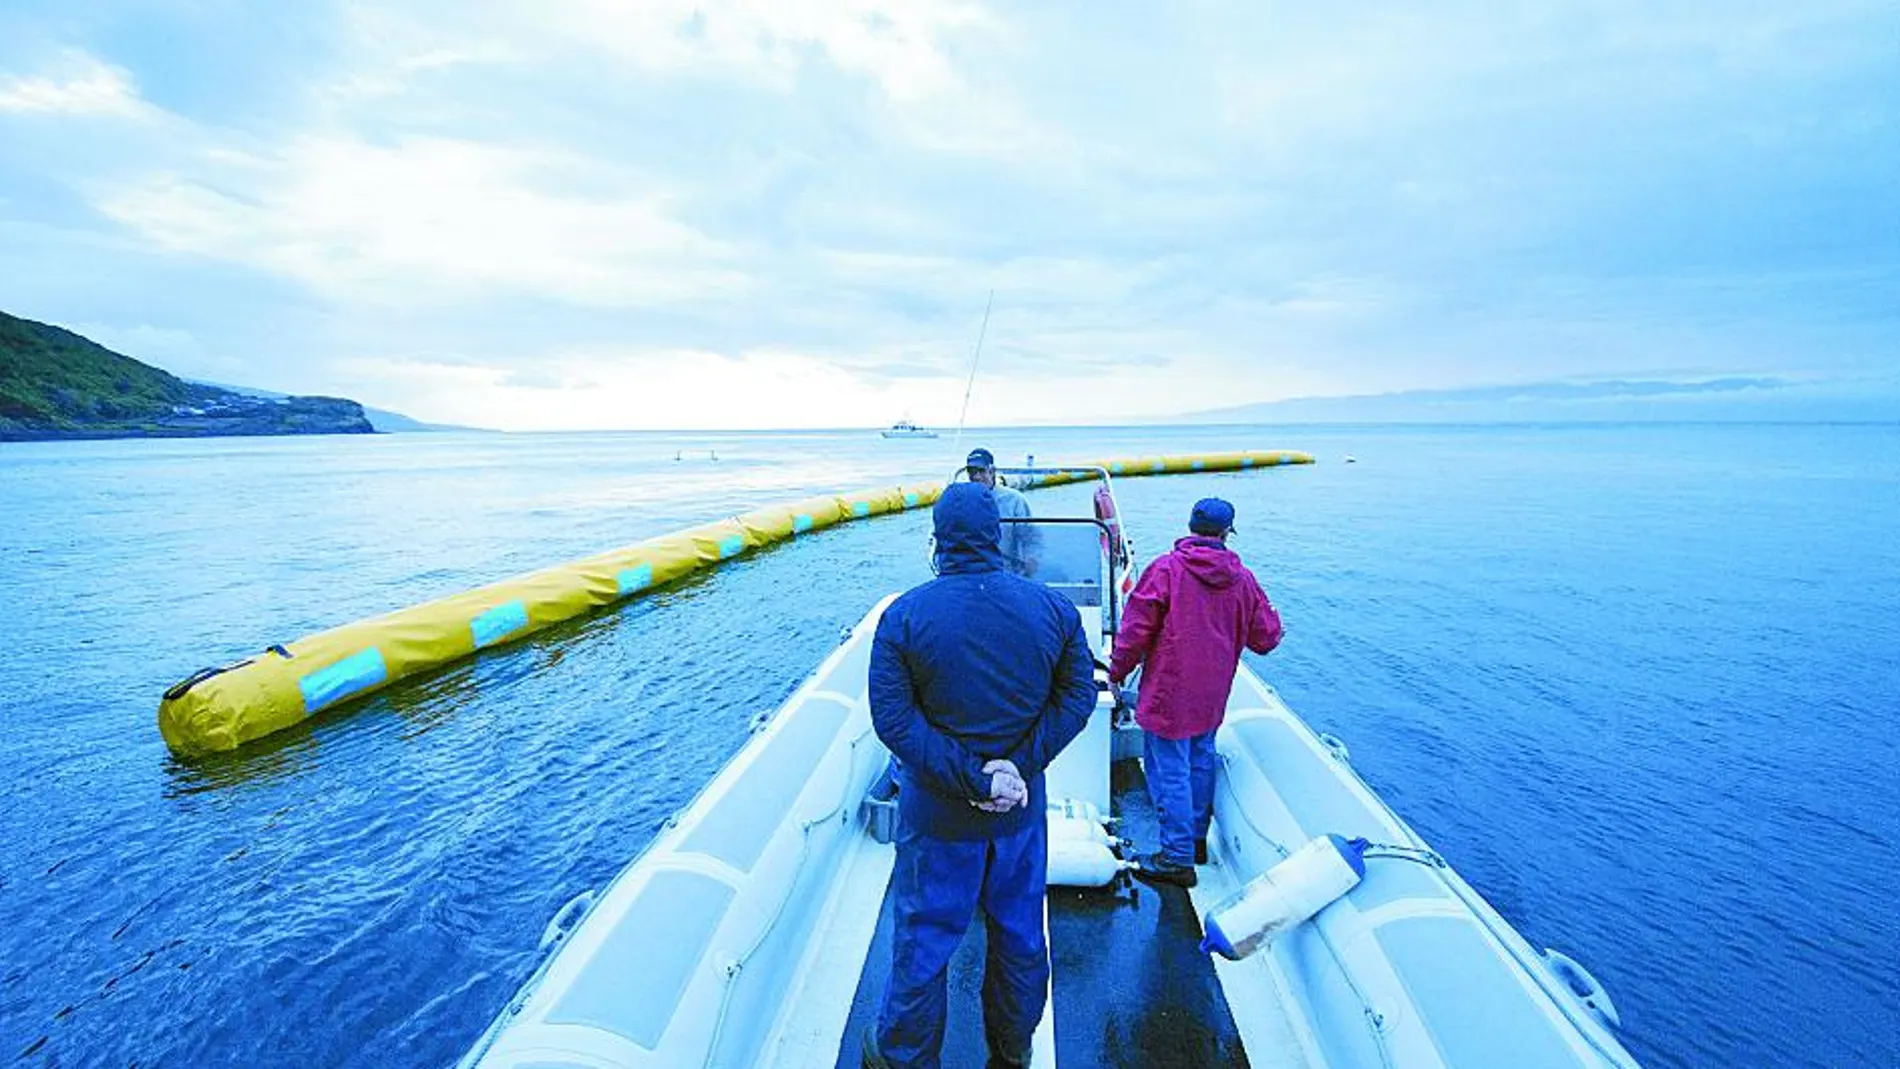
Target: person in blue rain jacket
[(978, 679)]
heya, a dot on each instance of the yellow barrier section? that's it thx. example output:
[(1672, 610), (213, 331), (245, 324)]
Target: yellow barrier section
[(223, 708)]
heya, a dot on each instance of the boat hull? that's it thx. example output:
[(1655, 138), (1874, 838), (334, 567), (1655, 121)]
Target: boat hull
[(740, 937), (1413, 950)]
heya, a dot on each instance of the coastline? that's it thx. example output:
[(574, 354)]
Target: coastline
[(169, 433)]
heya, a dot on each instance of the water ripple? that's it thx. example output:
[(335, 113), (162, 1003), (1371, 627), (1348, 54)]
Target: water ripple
[(1640, 692)]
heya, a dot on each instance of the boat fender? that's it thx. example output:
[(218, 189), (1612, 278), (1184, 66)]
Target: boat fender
[(1081, 863), (1310, 879), (1111, 523)]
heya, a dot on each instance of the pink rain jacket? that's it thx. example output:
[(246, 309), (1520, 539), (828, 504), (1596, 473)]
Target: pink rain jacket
[(1187, 620)]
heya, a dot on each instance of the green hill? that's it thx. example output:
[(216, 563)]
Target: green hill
[(57, 384), (50, 375)]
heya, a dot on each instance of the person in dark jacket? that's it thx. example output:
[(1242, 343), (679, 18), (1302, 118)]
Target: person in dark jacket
[(1186, 622), (979, 678)]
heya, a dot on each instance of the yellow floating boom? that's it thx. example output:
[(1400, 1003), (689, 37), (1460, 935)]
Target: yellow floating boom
[(223, 708)]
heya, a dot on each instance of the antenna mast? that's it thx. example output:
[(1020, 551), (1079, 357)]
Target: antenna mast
[(957, 443)]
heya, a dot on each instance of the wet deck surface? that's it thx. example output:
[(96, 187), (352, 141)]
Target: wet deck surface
[(963, 1046), (1132, 988)]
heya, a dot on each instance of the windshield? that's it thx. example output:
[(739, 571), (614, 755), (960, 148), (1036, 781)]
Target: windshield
[(1064, 555)]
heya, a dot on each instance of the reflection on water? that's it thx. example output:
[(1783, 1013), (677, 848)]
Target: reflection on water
[(418, 704), (287, 753)]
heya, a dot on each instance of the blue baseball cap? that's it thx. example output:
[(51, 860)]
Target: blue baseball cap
[(980, 458), (1212, 517)]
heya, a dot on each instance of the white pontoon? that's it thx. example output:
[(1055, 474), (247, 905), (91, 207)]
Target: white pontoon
[(755, 930)]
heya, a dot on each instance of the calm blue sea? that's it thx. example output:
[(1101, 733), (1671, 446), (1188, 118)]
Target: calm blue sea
[(1640, 684)]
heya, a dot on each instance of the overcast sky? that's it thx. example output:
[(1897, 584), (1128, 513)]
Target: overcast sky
[(587, 213)]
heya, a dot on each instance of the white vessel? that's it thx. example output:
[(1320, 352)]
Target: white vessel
[(754, 930), (904, 428)]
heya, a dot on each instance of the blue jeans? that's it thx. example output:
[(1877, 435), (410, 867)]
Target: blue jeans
[(1180, 776), (937, 886)]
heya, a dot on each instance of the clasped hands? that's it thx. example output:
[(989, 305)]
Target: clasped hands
[(1007, 788)]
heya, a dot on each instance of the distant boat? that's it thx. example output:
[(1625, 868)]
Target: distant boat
[(904, 428)]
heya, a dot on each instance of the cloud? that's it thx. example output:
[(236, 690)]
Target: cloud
[(430, 219), (540, 380), (82, 86), (897, 47), (905, 371), (523, 209)]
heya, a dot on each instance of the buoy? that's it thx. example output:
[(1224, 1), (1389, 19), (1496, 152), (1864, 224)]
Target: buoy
[(1310, 879)]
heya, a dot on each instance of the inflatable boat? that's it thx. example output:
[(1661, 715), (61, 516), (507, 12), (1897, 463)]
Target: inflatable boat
[(754, 931)]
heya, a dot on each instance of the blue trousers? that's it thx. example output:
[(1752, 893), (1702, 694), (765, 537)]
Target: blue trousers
[(937, 886), (1180, 776)]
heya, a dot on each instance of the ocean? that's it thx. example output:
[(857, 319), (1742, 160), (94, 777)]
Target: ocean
[(1639, 684)]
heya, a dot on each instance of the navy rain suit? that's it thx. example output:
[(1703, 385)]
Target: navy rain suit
[(974, 665)]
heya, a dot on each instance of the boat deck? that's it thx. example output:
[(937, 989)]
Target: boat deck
[(1131, 986)]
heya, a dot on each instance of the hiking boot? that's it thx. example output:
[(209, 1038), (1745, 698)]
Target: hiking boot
[(1200, 851), (1153, 868)]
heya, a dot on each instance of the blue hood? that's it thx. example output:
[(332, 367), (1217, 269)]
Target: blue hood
[(968, 529)]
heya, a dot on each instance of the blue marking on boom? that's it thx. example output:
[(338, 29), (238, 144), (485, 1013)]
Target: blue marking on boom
[(498, 623), (351, 675), (635, 579)]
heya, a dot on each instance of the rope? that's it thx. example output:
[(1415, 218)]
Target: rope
[(737, 965), (1539, 974), (1404, 853)]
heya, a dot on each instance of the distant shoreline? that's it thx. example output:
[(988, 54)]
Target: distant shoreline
[(16, 434), (56, 385), (90, 435)]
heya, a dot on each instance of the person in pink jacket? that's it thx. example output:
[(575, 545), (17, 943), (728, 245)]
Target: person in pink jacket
[(1185, 623)]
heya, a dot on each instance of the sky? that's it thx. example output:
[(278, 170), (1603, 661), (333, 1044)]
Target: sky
[(581, 214)]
